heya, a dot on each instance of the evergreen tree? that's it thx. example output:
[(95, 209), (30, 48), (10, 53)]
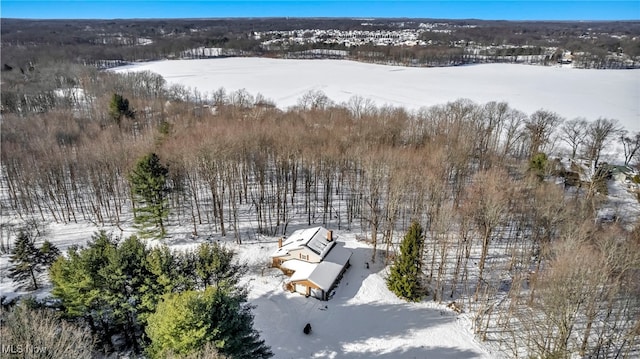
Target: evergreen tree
[(105, 284), (215, 266), (24, 258), (48, 254), (28, 260), (116, 286), (119, 107), (404, 277), (538, 165), (78, 281), (185, 322), (149, 186)]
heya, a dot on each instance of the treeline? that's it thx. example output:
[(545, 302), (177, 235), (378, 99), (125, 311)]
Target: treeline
[(27, 43), (473, 175)]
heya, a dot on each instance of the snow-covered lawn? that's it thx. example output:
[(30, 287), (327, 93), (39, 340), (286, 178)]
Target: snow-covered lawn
[(363, 319), (569, 92)]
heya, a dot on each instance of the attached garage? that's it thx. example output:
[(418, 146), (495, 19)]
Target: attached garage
[(318, 280), (301, 288)]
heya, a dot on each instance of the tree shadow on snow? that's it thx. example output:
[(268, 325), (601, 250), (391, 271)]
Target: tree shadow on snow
[(341, 330), (355, 323)]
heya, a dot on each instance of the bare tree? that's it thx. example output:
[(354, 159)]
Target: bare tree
[(631, 145), (314, 100), (512, 130), (598, 135), (40, 333), (573, 133), (360, 106), (539, 127), (584, 300), (487, 203), (489, 127)]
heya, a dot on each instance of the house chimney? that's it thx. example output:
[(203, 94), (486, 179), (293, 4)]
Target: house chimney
[(329, 235), (280, 242)]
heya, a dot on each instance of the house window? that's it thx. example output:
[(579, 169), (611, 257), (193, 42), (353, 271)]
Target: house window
[(304, 257)]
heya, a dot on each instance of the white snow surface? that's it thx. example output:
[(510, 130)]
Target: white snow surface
[(329, 269), (362, 320), (570, 92)]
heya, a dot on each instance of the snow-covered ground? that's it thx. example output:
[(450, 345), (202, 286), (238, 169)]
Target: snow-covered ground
[(569, 92), (622, 204), (363, 319)]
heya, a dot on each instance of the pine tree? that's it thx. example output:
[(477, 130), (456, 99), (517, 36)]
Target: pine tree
[(48, 254), (215, 265), (149, 186), (185, 322), (116, 287), (538, 165), (24, 258), (107, 285), (404, 277), (119, 107), (80, 282), (28, 260)]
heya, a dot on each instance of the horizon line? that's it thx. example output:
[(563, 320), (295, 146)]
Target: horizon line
[(312, 17)]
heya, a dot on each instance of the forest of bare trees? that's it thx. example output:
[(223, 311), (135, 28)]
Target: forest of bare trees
[(523, 253)]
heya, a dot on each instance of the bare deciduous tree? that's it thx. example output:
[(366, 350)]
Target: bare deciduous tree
[(631, 145), (598, 135), (314, 100), (539, 127), (573, 133), (487, 202), (40, 333)]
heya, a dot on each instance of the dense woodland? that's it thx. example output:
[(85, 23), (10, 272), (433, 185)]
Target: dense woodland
[(500, 234), (105, 43)]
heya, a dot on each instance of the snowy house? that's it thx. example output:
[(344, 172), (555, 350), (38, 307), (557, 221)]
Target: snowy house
[(312, 260), (623, 174)]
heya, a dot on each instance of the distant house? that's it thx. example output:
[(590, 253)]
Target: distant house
[(312, 260), (567, 58), (623, 174)]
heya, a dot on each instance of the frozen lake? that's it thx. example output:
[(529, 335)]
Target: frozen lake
[(570, 92)]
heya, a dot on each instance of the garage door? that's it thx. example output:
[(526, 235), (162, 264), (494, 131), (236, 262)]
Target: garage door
[(317, 293), (302, 289)]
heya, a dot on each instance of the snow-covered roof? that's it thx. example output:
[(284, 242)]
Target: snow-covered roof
[(322, 274), (301, 269), (313, 238), (329, 269)]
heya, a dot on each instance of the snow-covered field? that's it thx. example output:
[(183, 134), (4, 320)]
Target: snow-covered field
[(569, 92)]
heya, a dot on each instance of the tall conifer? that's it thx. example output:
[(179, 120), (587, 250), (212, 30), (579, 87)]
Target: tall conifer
[(27, 260), (149, 186), (404, 278)]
